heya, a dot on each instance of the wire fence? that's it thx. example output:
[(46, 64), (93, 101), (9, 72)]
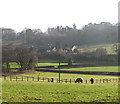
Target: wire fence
[(56, 80)]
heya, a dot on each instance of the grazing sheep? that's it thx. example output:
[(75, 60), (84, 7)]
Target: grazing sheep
[(92, 80), (79, 80)]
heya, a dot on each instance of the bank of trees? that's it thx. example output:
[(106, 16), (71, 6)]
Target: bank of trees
[(57, 37), (89, 34), (22, 55)]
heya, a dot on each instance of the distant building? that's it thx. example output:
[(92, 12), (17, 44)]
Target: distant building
[(54, 49), (73, 48)]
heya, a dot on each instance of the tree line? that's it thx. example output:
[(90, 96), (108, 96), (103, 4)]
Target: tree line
[(30, 45), (104, 32)]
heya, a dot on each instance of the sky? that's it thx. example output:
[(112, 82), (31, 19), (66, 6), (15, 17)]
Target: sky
[(41, 14)]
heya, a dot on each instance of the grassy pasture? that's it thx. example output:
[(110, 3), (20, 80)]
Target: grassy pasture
[(15, 65), (63, 75), (33, 91), (103, 68), (53, 92), (108, 47), (51, 64)]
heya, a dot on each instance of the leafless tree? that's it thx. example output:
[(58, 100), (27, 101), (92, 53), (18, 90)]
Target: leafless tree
[(25, 58), (7, 56)]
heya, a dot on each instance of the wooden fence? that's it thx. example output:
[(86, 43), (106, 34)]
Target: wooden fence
[(56, 80)]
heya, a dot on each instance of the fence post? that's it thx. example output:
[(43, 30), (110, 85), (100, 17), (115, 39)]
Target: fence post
[(16, 78), (70, 80), (65, 80), (103, 80), (38, 78), (118, 79), (107, 80), (86, 81), (52, 80), (100, 80), (57, 80), (5, 77), (61, 80), (22, 78), (33, 78), (48, 80), (27, 78), (10, 78)]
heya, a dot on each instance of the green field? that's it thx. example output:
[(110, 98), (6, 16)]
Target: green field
[(53, 92), (109, 48), (103, 68), (63, 75), (51, 64), (34, 91), (15, 65)]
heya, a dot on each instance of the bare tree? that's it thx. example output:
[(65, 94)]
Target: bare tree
[(7, 56), (25, 58)]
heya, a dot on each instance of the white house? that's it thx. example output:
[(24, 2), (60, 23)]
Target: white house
[(73, 48)]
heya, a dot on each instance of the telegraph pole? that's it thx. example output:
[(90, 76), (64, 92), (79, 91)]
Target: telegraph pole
[(59, 67)]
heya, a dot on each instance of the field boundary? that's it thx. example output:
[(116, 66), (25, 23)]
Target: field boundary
[(56, 80), (80, 72)]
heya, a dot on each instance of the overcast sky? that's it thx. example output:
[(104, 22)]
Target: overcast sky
[(18, 14)]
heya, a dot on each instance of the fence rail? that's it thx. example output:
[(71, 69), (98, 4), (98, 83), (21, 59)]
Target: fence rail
[(56, 80)]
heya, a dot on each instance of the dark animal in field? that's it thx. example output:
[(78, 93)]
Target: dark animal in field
[(92, 80), (79, 80)]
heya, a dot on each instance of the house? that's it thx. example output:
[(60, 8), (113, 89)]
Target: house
[(54, 49), (73, 48)]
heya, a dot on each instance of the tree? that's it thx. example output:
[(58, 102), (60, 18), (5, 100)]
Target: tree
[(8, 34), (33, 60), (100, 52), (7, 56), (57, 45), (25, 58), (29, 36), (69, 62), (42, 51)]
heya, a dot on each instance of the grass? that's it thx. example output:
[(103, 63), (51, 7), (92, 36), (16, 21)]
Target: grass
[(48, 92), (15, 65), (34, 91), (63, 75), (108, 47), (50, 64), (103, 69)]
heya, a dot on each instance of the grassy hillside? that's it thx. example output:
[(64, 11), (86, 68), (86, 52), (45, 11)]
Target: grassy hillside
[(109, 48)]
